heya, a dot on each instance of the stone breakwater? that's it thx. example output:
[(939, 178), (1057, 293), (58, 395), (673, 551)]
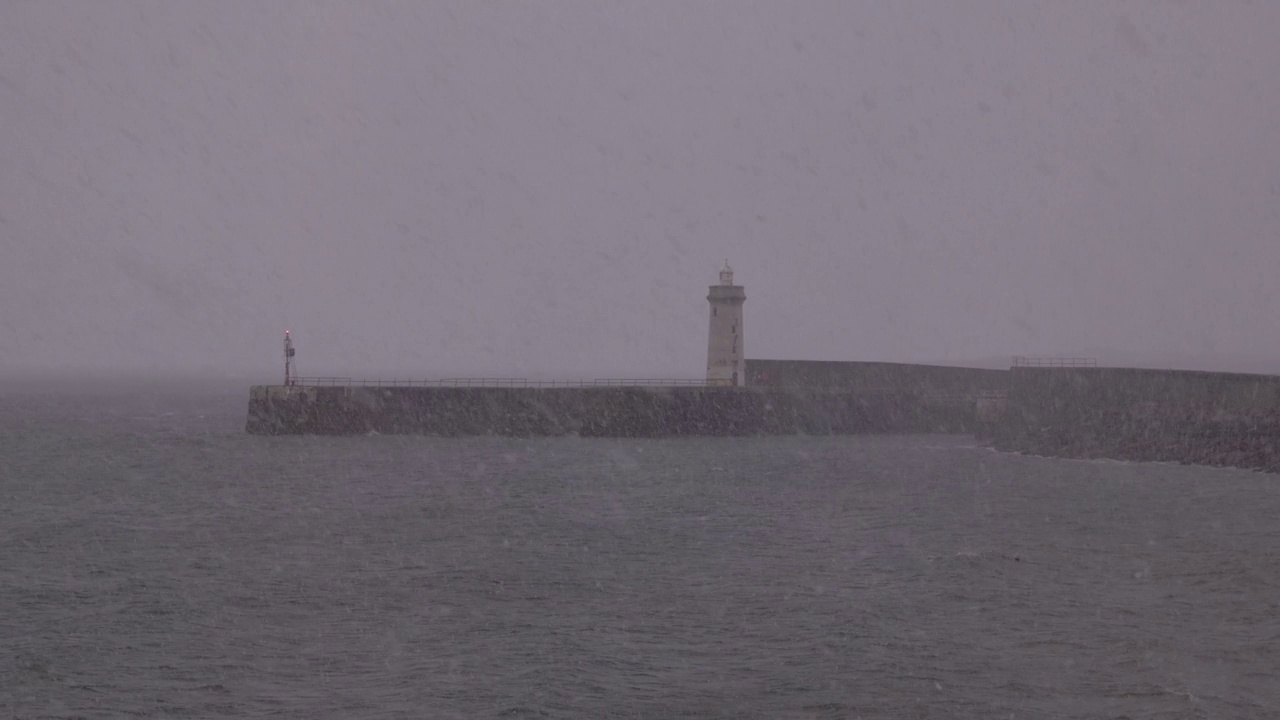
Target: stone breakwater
[(1200, 418), (598, 412)]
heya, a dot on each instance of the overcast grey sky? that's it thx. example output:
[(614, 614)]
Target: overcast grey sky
[(547, 188)]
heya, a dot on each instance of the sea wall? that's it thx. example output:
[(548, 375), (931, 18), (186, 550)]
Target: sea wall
[(595, 411), (1202, 418), (923, 380)]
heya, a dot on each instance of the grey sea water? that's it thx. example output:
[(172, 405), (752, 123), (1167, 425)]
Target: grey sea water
[(157, 562)]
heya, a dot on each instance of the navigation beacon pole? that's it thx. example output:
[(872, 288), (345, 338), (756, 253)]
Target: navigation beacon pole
[(290, 374), (726, 364)]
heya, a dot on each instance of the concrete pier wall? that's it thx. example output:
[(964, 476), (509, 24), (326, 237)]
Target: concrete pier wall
[(875, 377), (1203, 418), (1149, 415), (595, 411)]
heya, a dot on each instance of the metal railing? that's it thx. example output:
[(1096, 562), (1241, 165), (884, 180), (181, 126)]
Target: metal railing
[(497, 382), (1053, 362), (658, 382)]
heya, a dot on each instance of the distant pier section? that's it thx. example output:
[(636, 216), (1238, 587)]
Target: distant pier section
[(1193, 417), (737, 396), (1053, 406), (598, 408)]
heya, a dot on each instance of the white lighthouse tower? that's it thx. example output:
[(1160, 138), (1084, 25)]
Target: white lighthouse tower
[(726, 364), (290, 372)]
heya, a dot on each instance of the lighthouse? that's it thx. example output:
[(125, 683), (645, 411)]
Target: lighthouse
[(290, 373), (725, 362)]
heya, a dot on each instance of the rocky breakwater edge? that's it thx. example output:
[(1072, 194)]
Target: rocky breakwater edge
[(594, 412), (1187, 417)]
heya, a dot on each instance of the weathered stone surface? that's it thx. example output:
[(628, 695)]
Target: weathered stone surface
[(608, 412), (1202, 418), (1154, 415)]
